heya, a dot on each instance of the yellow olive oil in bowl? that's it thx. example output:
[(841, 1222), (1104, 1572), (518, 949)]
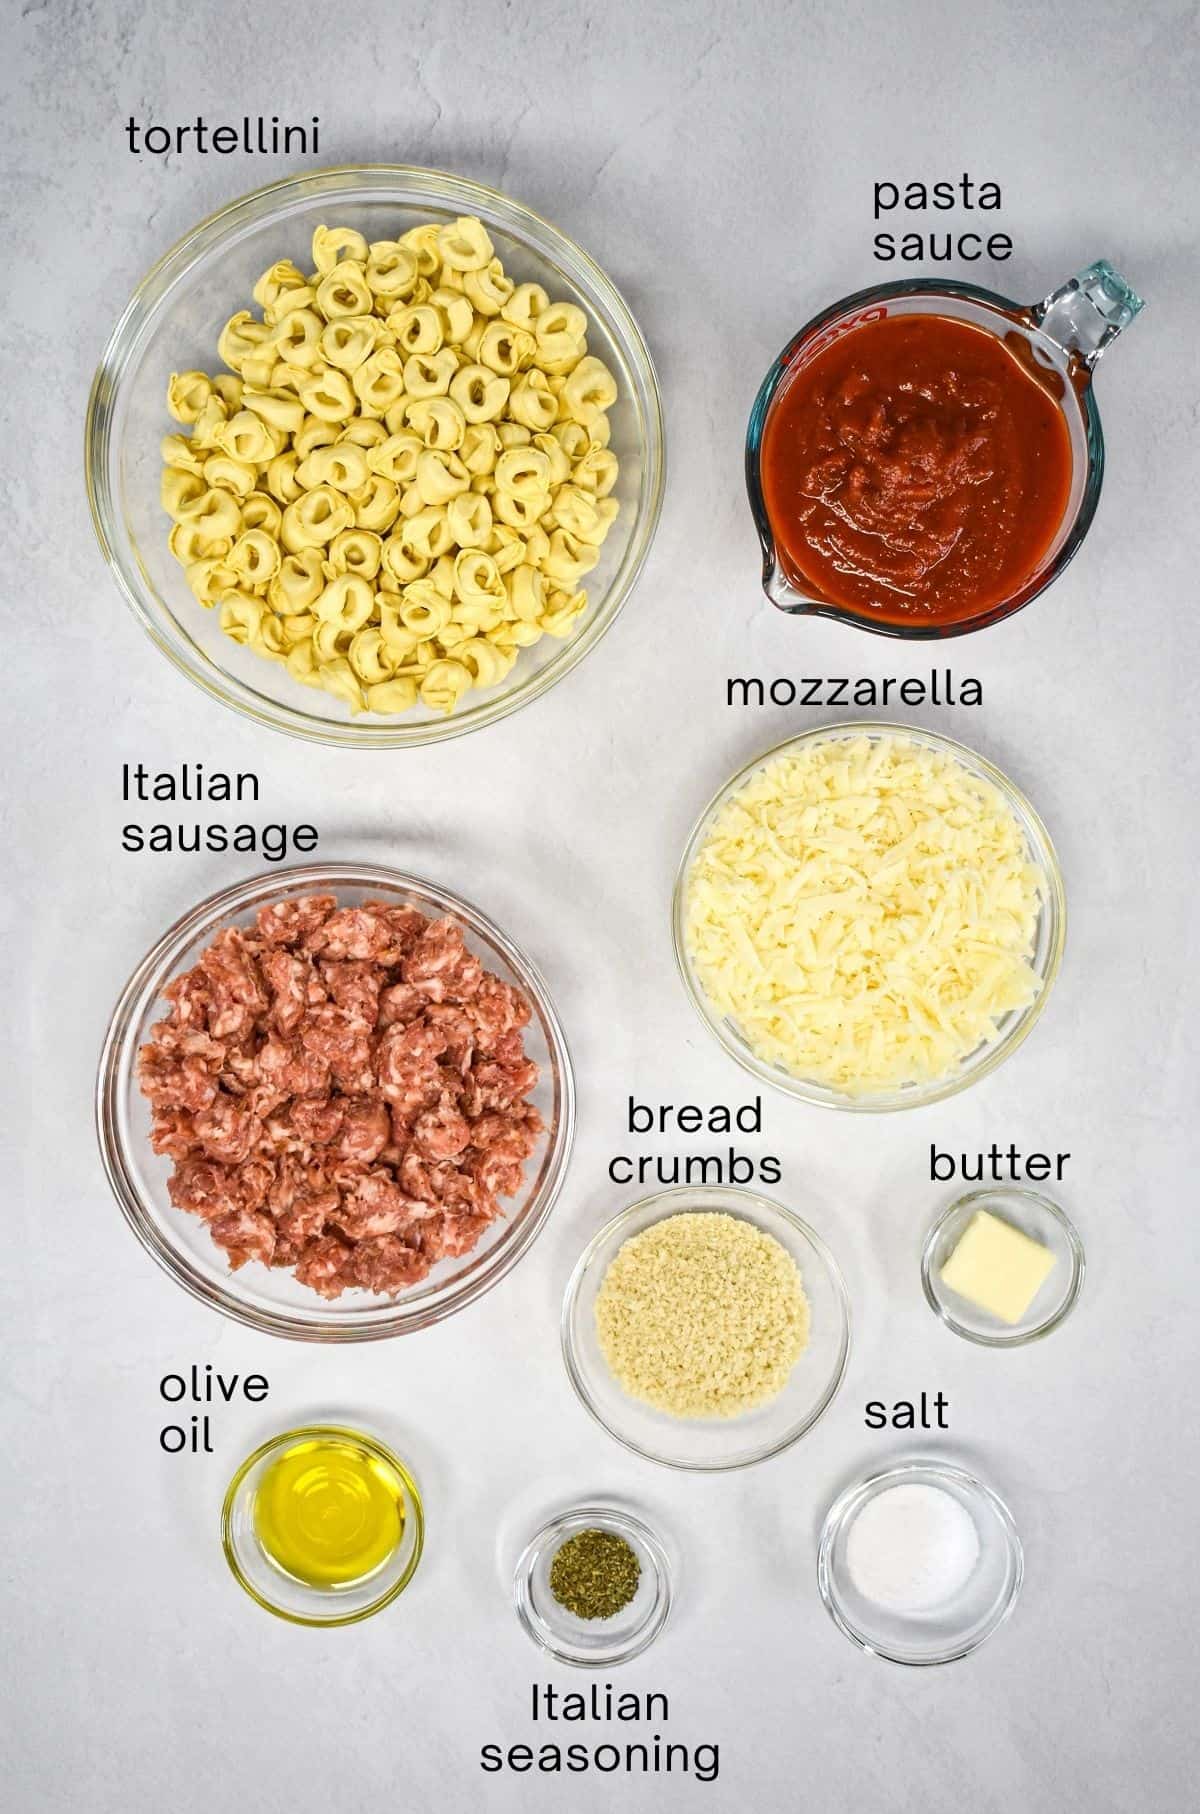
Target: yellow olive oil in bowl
[(323, 1525), (328, 1513)]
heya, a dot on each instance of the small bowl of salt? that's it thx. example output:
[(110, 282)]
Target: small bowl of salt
[(919, 1564)]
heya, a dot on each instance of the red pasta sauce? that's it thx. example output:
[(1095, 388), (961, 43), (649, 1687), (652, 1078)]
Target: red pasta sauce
[(916, 470)]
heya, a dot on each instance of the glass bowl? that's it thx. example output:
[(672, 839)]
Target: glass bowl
[(710, 1444), (1015, 1027), (593, 1643), (171, 324), (962, 1623), (1035, 1216), (271, 1299), (281, 1593), (1060, 338)]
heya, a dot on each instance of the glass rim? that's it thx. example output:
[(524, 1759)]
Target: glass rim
[(1054, 906), (402, 1317), (700, 1197), (761, 408), (381, 1452), (918, 1468), (141, 595)]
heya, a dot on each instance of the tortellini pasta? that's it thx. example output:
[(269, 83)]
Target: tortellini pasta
[(405, 475)]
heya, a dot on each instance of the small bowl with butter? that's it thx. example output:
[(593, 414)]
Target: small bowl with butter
[(1002, 1267)]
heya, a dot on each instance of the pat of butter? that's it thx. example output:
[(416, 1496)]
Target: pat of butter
[(998, 1267)]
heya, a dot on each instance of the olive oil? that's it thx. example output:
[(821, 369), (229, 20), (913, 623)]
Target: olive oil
[(328, 1513)]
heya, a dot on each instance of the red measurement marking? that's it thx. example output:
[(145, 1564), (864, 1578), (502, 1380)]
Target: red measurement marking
[(809, 350)]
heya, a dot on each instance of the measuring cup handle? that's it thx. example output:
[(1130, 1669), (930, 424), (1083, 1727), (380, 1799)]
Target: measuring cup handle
[(1085, 314)]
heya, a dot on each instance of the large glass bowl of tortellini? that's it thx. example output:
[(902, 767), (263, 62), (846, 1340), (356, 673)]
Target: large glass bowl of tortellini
[(376, 455)]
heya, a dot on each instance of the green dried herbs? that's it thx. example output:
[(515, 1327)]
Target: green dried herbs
[(595, 1574)]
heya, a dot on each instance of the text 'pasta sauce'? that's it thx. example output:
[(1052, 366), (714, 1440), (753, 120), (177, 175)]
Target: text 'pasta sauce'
[(915, 469)]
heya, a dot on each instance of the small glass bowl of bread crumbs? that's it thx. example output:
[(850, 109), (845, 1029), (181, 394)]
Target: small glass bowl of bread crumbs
[(1002, 1267), (593, 1587), (706, 1328)]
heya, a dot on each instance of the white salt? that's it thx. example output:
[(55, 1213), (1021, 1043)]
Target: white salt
[(912, 1548)]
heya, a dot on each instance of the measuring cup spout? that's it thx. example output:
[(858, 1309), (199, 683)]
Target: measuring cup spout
[(1085, 314)]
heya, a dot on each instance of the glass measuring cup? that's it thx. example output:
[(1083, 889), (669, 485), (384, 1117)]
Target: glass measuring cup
[(1060, 339)]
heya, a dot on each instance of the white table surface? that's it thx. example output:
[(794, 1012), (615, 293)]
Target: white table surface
[(718, 161)]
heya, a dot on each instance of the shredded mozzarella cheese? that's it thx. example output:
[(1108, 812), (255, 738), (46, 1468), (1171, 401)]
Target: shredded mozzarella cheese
[(865, 911)]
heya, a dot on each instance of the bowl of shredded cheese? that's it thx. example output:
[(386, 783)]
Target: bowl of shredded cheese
[(375, 455), (869, 917)]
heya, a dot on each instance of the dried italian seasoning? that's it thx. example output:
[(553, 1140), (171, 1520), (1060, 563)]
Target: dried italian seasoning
[(595, 1574)]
